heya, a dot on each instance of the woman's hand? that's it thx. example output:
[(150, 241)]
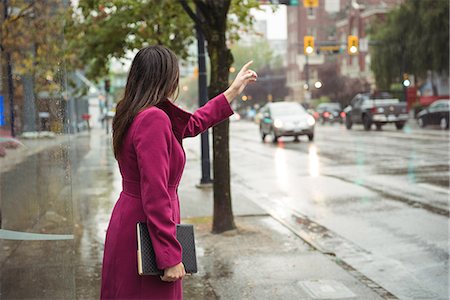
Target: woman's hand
[(244, 77), (174, 273)]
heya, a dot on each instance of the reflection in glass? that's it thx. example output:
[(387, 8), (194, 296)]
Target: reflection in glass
[(36, 208)]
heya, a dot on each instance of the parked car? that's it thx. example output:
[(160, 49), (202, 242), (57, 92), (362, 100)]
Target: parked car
[(285, 119), (378, 109), (437, 113), (330, 112)]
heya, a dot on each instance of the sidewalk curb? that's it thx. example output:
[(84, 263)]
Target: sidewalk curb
[(360, 277), (382, 292)]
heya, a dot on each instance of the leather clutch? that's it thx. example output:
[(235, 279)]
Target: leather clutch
[(146, 255)]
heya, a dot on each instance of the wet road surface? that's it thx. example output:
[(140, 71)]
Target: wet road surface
[(378, 200)]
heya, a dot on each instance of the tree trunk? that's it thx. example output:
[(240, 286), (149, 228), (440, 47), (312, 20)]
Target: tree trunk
[(211, 17), (221, 60)]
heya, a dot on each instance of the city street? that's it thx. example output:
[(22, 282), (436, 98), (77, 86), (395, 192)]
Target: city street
[(377, 200), (331, 179)]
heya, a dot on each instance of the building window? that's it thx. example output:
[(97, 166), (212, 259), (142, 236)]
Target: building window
[(311, 13)]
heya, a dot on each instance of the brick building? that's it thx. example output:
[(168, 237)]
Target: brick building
[(359, 18), (330, 23)]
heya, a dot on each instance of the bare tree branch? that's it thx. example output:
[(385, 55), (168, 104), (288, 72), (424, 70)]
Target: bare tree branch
[(11, 19), (22, 13), (197, 20)]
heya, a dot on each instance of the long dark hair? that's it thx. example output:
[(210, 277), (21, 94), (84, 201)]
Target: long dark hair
[(153, 77)]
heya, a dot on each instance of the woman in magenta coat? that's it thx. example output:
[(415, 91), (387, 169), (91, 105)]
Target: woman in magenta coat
[(147, 138)]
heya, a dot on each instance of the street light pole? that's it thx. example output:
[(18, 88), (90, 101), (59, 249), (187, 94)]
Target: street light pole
[(307, 72), (107, 89), (203, 99)]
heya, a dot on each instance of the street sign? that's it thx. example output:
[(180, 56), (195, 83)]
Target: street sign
[(363, 45), (310, 3), (329, 49)]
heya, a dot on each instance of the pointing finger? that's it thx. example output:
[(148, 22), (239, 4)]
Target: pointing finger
[(245, 67)]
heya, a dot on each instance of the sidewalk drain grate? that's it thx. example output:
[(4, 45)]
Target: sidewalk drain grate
[(326, 289)]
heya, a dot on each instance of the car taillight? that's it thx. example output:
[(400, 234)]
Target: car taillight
[(326, 114), (373, 110), (342, 114)]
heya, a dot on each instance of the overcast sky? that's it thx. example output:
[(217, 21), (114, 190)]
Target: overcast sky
[(276, 21)]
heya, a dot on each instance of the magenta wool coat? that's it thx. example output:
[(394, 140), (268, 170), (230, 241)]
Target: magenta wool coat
[(151, 163)]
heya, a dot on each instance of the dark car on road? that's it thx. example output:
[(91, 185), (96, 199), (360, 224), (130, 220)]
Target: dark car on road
[(379, 109), (435, 114), (285, 119), (330, 112)]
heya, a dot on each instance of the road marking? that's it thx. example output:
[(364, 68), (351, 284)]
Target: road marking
[(28, 236), (326, 289)]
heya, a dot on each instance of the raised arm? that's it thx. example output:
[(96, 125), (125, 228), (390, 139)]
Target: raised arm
[(218, 108), (213, 112)]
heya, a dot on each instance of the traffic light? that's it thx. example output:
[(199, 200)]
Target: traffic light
[(310, 3), (352, 44), (308, 44), (285, 2), (406, 81)]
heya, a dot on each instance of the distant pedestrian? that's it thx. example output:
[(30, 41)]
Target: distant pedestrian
[(147, 138)]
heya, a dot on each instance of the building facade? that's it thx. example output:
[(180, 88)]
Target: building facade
[(330, 23), (358, 18)]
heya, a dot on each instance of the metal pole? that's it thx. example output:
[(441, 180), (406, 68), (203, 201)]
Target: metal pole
[(106, 112), (107, 90), (203, 99), (9, 75), (307, 73), (10, 93)]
